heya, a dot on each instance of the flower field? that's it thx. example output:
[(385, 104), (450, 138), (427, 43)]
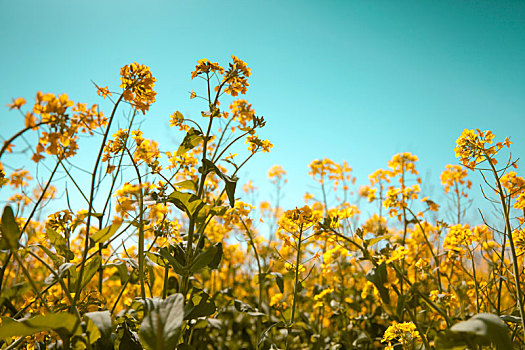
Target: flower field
[(162, 247)]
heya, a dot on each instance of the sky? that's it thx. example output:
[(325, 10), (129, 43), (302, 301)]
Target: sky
[(348, 80)]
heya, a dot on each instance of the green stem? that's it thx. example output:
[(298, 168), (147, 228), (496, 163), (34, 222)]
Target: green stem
[(91, 199), (260, 279), (296, 281), (511, 240), (141, 227), (31, 282)]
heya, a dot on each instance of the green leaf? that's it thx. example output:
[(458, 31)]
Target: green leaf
[(157, 259), (177, 267), (378, 277), (178, 252), (287, 314), (122, 271), (191, 140), (210, 258), (215, 262), (60, 244), (488, 327), (10, 232), (92, 331), (242, 306), (265, 333), (128, 339), (187, 202), (230, 182), (90, 269), (481, 329), (102, 319), (62, 269), (105, 234), (161, 326), (511, 318), (63, 323), (56, 260), (200, 305), (279, 280), (187, 185), (401, 302), (372, 241)]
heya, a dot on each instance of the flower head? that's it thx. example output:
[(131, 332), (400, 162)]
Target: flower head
[(138, 83)]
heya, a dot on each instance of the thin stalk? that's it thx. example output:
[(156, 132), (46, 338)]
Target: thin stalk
[(476, 286), (28, 220), (60, 280), (141, 228), (421, 333), (165, 285), (296, 281), (8, 142), (31, 282), (91, 199), (259, 269), (511, 241), (120, 293)]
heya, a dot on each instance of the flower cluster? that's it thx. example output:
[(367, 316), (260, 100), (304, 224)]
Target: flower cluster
[(62, 123), (276, 173), (299, 219), (324, 170), (368, 192), (146, 151), (458, 237), (204, 66), (519, 241), (137, 83), (254, 144), (471, 147), (516, 186), (405, 333), (454, 176), (235, 78), (242, 112), (397, 198), (115, 146), (403, 163)]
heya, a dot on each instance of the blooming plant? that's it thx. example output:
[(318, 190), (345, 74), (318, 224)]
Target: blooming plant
[(141, 245)]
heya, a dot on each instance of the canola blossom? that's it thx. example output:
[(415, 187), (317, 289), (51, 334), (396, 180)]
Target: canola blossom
[(165, 246)]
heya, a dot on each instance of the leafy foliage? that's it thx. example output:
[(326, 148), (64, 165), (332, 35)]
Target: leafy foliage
[(162, 250)]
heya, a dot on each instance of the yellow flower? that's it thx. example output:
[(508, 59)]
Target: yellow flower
[(17, 104), (405, 333), (103, 91), (242, 112), (235, 78), (18, 178), (276, 173), (471, 147), (138, 82), (205, 66), (403, 162), (453, 176), (115, 146), (458, 237), (513, 183), (254, 144), (398, 254)]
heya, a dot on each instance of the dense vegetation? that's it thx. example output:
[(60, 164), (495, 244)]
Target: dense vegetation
[(142, 248)]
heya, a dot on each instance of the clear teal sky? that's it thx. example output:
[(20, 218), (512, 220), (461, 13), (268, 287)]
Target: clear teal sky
[(352, 80)]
